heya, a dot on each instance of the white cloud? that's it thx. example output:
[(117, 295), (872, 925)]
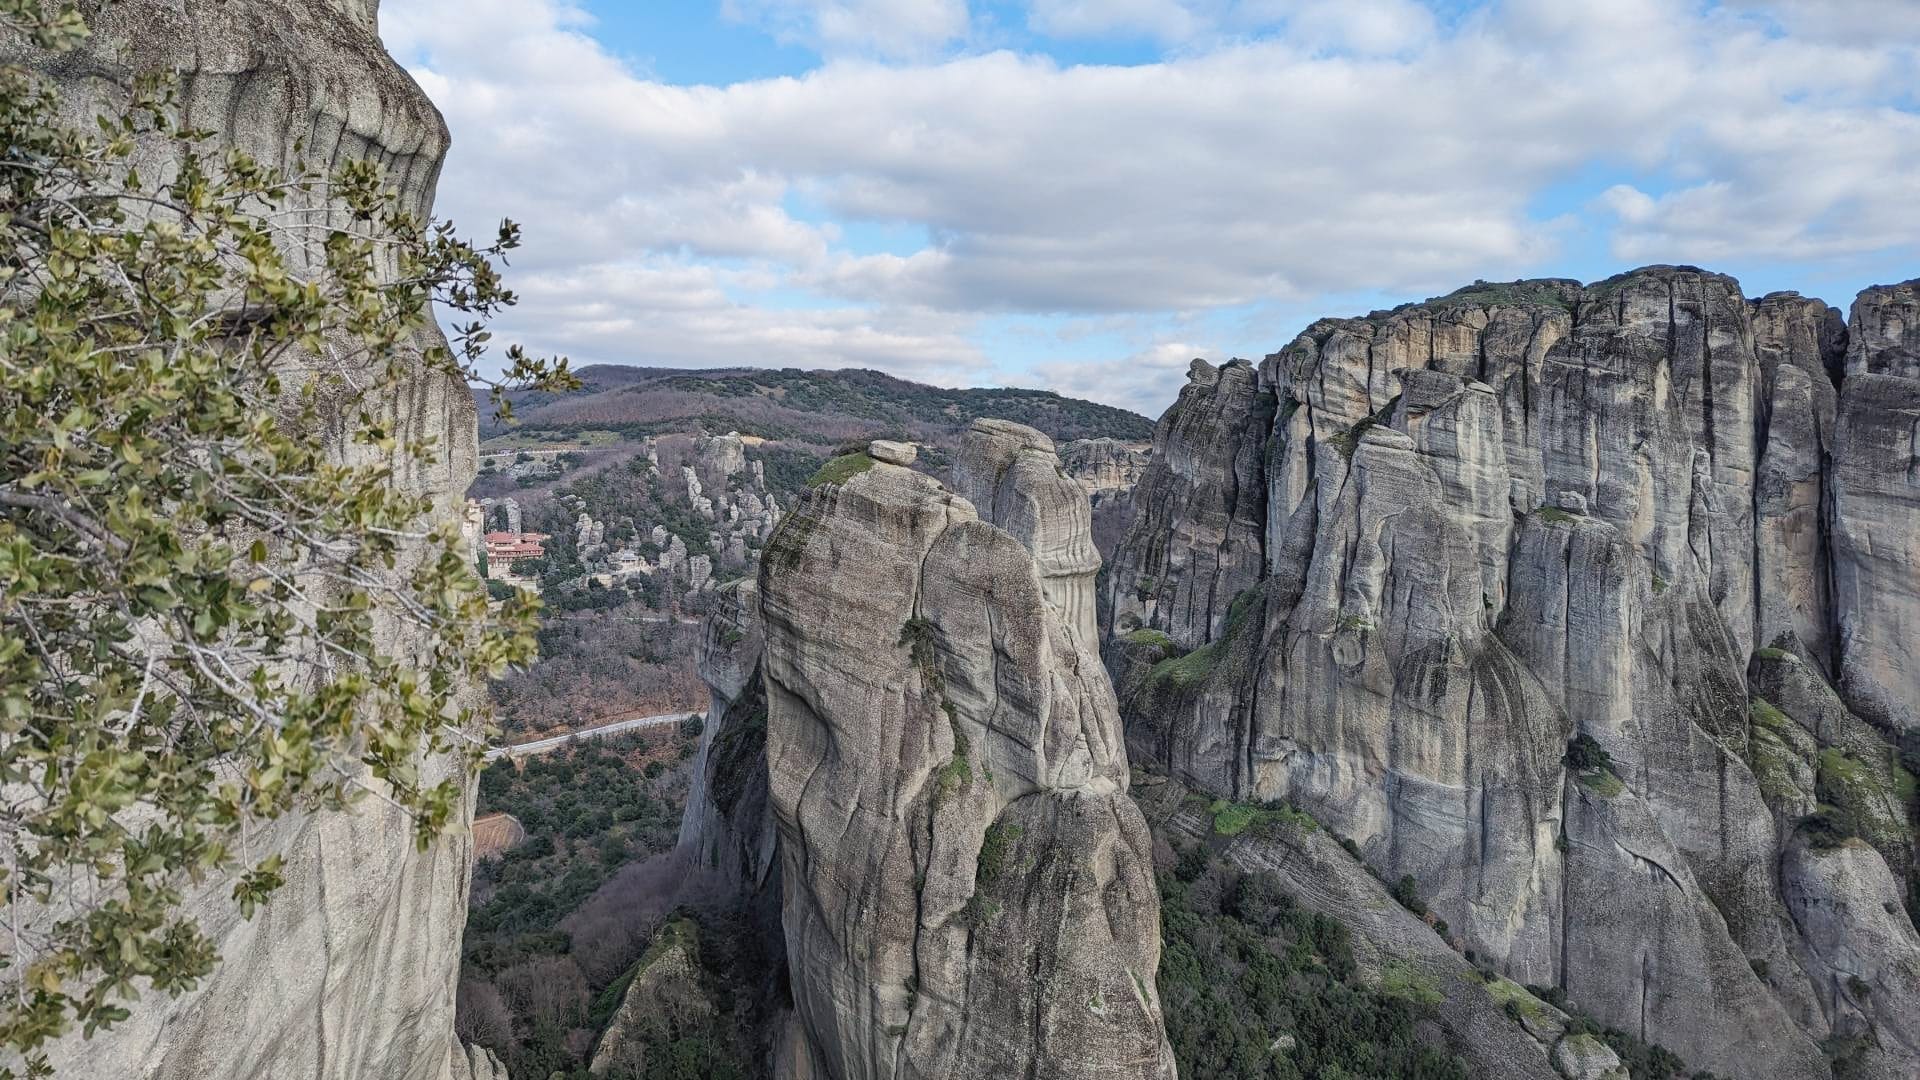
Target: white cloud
[(1361, 26), (1151, 376), (886, 27), (1169, 20), (1358, 149)]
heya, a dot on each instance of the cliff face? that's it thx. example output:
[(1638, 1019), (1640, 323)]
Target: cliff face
[(726, 831), (1414, 555), (968, 890), (349, 972)]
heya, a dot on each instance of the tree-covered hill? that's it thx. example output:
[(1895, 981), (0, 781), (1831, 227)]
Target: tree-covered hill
[(819, 407)]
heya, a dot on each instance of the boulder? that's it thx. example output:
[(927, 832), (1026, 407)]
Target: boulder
[(893, 453)]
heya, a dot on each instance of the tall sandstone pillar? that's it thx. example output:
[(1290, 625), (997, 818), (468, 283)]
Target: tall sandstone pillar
[(968, 888)]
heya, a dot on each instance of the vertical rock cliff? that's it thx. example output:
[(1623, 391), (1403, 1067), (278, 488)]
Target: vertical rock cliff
[(726, 833), (968, 889), (1394, 572), (349, 972)]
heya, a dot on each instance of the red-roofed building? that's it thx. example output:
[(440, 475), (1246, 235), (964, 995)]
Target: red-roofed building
[(505, 548)]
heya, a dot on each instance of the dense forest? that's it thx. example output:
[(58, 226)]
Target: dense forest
[(557, 920)]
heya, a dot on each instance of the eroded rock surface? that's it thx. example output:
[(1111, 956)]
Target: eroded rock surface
[(727, 832), (968, 889), (1012, 475), (1200, 509), (1526, 512), (349, 971)]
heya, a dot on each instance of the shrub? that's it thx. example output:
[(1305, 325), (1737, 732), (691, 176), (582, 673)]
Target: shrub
[(995, 849), (1243, 961), (841, 469), (1191, 862), (1585, 754)]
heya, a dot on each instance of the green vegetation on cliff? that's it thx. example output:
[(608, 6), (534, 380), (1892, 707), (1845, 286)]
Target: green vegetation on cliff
[(841, 469), (202, 629), (1255, 987)]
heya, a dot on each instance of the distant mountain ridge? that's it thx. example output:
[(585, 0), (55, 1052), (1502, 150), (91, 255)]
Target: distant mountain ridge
[(820, 407)]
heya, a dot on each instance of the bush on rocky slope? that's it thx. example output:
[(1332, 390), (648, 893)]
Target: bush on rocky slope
[(1255, 987)]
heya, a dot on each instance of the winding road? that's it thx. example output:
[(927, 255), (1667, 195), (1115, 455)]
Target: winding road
[(541, 746)]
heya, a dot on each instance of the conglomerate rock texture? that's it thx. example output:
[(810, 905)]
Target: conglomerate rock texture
[(349, 971), (968, 888), (1392, 572)]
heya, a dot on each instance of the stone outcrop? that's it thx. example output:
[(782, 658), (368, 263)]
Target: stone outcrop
[(1200, 509), (1107, 470), (1012, 475), (1501, 519), (1875, 488), (727, 831), (891, 452), (968, 890), (349, 971), (665, 994)]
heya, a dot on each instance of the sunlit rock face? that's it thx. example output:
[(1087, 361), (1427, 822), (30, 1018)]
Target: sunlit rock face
[(968, 888), (1525, 512), (349, 972)]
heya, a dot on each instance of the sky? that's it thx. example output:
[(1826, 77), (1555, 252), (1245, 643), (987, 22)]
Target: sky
[(1086, 194)]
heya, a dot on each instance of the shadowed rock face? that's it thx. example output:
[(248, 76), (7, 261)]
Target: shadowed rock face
[(726, 831), (1502, 518), (1199, 509), (968, 889), (349, 972)]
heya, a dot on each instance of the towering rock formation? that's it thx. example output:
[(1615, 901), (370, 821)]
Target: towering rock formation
[(968, 888), (1498, 520), (727, 831), (1200, 509), (1105, 467), (349, 972), (1875, 485), (1012, 474)]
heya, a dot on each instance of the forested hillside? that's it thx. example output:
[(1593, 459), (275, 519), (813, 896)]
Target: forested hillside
[(822, 408)]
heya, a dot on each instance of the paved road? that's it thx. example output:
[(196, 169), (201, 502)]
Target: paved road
[(541, 746)]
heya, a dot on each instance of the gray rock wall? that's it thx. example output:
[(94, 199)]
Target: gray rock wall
[(968, 889), (1200, 509), (726, 831), (1526, 511), (349, 972)]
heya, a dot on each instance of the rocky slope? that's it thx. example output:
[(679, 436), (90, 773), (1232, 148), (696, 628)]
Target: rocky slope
[(349, 972), (968, 889), (1391, 941), (1390, 574)]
